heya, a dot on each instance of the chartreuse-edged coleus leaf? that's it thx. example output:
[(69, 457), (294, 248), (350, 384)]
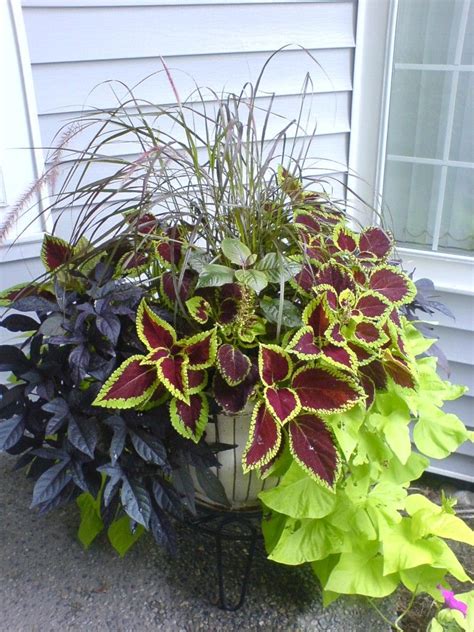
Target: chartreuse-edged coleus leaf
[(190, 419), (318, 338), (174, 358), (275, 367), (264, 439), (130, 385), (199, 309), (313, 448), (376, 243), (232, 364), (344, 239), (392, 284), (325, 390), (55, 252)]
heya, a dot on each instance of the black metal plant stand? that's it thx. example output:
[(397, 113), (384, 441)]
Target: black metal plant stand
[(225, 526)]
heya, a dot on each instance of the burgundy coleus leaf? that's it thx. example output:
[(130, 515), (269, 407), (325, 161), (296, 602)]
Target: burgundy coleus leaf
[(264, 439), (233, 399), (24, 290), (359, 276), (303, 344), (392, 284), (334, 334), (159, 395), (173, 373), (233, 365), (197, 380), (369, 334), (200, 350), (324, 390), (313, 447), (399, 370), (306, 277), (274, 364), (129, 385), (144, 223), (369, 389), (338, 355), (395, 318), (315, 252), (344, 239), (363, 354), (153, 331), (307, 221), (335, 276), (376, 372), (316, 316), (283, 403), (190, 418), (169, 250), (371, 306), (132, 262), (199, 309), (169, 284), (376, 242), (55, 252), (228, 299)]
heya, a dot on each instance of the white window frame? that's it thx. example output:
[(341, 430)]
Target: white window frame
[(20, 114), (375, 35)]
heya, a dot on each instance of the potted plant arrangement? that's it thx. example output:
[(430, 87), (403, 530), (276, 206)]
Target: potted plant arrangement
[(217, 328)]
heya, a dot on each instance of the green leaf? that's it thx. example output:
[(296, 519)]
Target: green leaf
[(395, 430), (253, 279), (235, 251), (437, 434), (121, 537), (291, 316), (278, 268), (306, 541), (360, 572), (400, 474), (423, 578), (346, 427), (401, 550), (91, 523), (415, 341), (429, 518), (273, 524), (432, 389), (214, 275), (299, 496)]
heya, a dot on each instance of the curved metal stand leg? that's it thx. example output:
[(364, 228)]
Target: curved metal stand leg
[(251, 541)]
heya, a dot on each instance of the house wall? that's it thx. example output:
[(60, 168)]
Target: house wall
[(218, 45)]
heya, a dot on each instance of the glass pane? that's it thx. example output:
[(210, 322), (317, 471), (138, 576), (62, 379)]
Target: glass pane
[(457, 226), (411, 193), (418, 113), (427, 31), (462, 140), (468, 48)]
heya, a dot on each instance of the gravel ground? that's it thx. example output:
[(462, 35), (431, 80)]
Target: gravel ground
[(48, 582)]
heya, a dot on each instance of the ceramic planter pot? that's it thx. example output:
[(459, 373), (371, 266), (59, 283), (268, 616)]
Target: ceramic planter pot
[(241, 489)]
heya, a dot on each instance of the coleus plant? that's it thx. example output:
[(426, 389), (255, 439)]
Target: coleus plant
[(338, 336)]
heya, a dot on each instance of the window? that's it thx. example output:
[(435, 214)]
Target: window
[(427, 163)]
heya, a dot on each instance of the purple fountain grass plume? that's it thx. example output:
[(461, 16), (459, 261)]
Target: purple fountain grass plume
[(48, 177)]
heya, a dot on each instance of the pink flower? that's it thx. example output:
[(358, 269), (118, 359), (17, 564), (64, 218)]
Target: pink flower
[(451, 601)]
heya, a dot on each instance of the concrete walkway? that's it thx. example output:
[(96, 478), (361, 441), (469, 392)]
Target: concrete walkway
[(49, 583)]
